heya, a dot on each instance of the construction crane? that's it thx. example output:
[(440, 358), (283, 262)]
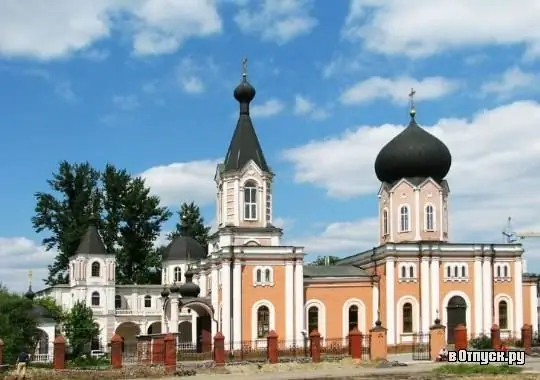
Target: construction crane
[(510, 236)]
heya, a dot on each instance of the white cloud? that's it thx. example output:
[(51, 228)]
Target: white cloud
[(284, 223), (125, 102), (277, 20), (65, 91), (19, 255), (51, 30), (305, 107), (511, 81), (397, 89), (494, 174), (269, 108), (189, 73), (183, 182), (424, 27)]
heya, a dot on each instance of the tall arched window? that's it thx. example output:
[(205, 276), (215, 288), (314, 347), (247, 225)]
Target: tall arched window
[(95, 299), (385, 223), (259, 275), (117, 302), (96, 269), (503, 315), (430, 219), (267, 275), (263, 321), (463, 271), (353, 317), (177, 274), (313, 318), (407, 318), (403, 272), (250, 201), (498, 271), (448, 272), (456, 271), (404, 219), (505, 271), (411, 271), (147, 301)]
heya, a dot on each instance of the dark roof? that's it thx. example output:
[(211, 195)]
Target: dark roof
[(184, 248), (244, 144), (317, 271), (414, 153), (41, 313), (91, 243)]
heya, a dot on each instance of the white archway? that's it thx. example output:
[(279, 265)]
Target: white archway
[(321, 323), (43, 345), (445, 301), (129, 332), (154, 328), (361, 315), (510, 313), (403, 336), (272, 317)]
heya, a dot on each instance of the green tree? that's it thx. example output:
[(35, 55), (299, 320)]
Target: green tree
[(325, 260), (130, 219), (191, 223), (18, 328), (80, 328), (52, 307)]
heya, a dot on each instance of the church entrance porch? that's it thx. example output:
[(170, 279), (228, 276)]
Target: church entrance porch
[(456, 312), (202, 349)]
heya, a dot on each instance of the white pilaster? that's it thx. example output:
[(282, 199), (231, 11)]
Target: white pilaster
[(425, 275), (237, 312), (375, 303), (477, 299), (518, 295), (203, 283), (164, 327), (441, 215), (224, 204), (298, 300), (214, 296), (226, 301), (436, 311), (487, 294), (174, 314), (238, 205), (534, 307), (391, 218), (289, 301), (418, 216), (390, 301), (263, 202)]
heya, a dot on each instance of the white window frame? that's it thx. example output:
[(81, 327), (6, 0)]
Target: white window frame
[(263, 280), (407, 268), (385, 222), (408, 218), (456, 272), (251, 206), (427, 226), (177, 270)]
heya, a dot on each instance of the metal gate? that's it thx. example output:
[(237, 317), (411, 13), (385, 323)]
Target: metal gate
[(421, 347)]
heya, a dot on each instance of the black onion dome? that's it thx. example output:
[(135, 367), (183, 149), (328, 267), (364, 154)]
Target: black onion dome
[(244, 92), (165, 292), (29, 293), (184, 248), (175, 288), (414, 153), (189, 289)]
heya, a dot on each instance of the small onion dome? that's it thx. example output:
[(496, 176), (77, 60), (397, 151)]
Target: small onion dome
[(165, 292), (174, 288), (189, 289), (29, 293), (244, 92)]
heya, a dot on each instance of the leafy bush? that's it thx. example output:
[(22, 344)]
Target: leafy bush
[(482, 342), (466, 369), (89, 362)]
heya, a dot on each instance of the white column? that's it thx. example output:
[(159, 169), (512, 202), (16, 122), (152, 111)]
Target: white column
[(163, 318), (440, 211), (289, 301), (390, 301), (418, 217), (224, 219), (298, 300), (203, 283), (375, 303), (424, 293), (391, 218), (174, 314), (237, 204), (436, 311), (237, 292), (534, 307), (518, 297), (226, 300), (214, 296), (477, 299), (487, 293)]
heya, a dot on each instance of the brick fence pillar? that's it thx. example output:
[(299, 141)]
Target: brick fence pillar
[(272, 347), (526, 338), (437, 339), (460, 337), (169, 346), (378, 348), (315, 346), (495, 337), (1, 352), (116, 351), (355, 344), (59, 354), (157, 350), (219, 349)]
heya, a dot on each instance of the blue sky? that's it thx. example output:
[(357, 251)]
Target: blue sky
[(147, 85)]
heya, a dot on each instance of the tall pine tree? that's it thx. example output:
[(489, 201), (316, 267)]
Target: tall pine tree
[(191, 223)]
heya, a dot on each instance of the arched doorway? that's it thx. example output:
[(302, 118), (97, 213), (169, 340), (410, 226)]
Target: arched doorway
[(185, 335), (154, 328), (42, 351), (129, 332), (456, 313)]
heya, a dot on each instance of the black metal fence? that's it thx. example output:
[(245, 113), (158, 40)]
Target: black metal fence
[(247, 350), (366, 347), (421, 346)]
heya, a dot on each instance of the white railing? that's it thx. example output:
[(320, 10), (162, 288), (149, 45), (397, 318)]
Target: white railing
[(186, 346), (42, 358), (123, 312)]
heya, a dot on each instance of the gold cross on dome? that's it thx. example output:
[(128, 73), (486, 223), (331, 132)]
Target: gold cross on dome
[(411, 96), (244, 66)]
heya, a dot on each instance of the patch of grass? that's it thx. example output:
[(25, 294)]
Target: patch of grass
[(467, 369)]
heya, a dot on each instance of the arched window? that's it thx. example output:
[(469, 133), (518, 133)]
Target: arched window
[(506, 271), (456, 271), (95, 299), (267, 275), (498, 271), (411, 271), (313, 318), (430, 220), (259, 275), (353, 317), (407, 318), (404, 219), (463, 271), (250, 201), (117, 302), (96, 269), (263, 321), (385, 222), (147, 301), (177, 274), (503, 315), (448, 272), (403, 272)]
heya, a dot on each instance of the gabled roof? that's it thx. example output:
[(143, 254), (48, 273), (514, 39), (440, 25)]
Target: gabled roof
[(343, 271)]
